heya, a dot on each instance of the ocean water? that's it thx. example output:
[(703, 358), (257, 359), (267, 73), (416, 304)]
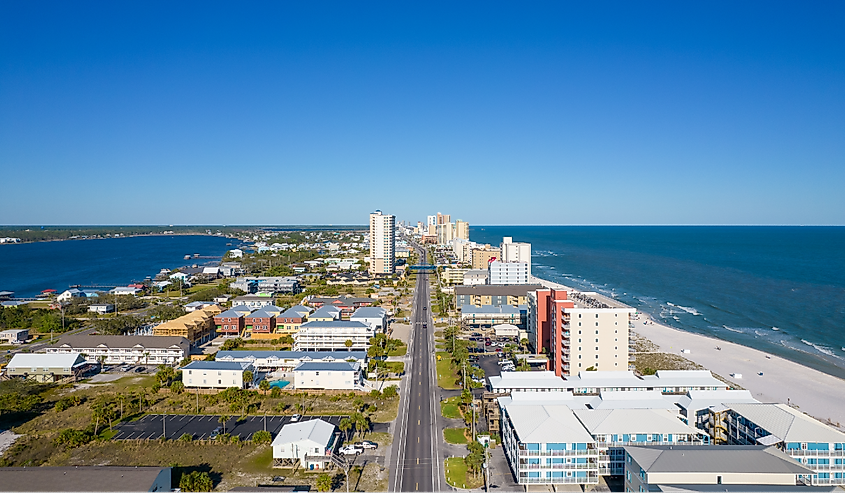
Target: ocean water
[(778, 289), (29, 268)]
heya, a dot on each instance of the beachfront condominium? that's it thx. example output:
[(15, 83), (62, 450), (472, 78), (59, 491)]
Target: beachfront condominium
[(516, 252), (581, 331), (507, 273), (461, 230), (382, 243)]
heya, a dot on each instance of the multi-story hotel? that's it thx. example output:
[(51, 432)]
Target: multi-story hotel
[(516, 252), (382, 243), (580, 330)]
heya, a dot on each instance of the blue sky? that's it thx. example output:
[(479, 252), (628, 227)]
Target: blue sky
[(497, 113)]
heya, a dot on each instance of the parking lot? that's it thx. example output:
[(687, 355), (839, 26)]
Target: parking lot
[(152, 426)]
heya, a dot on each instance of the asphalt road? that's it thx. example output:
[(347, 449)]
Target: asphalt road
[(418, 464), (152, 426)]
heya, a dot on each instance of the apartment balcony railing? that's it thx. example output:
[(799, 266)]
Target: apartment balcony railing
[(557, 453), (815, 453), (585, 480), (558, 466)]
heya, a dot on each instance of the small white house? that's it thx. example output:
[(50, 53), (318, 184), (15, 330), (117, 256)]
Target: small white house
[(125, 290), (309, 442), (102, 308), (236, 253), (506, 330), (341, 375), (198, 305), (214, 374), (14, 336)]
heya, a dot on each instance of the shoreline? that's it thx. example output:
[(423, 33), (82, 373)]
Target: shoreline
[(814, 392), (118, 237)]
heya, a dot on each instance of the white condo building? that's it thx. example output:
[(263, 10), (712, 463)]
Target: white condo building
[(504, 273), (382, 243), (516, 252)]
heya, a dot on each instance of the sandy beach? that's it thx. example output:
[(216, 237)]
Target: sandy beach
[(818, 394)]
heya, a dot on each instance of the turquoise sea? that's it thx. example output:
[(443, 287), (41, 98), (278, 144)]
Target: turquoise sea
[(778, 289)]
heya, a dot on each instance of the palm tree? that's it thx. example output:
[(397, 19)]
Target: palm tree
[(348, 344), (222, 420), (345, 425)]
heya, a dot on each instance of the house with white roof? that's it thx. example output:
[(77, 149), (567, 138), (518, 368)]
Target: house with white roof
[(76, 293), (527, 381), (46, 367), (808, 441), (125, 291), (613, 429), (310, 443)]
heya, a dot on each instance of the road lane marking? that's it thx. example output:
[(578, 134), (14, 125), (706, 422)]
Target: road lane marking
[(418, 422), (418, 461)]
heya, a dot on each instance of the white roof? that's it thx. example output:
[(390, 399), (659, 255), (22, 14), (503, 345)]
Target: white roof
[(696, 400), (538, 399), (547, 424), (787, 424), (592, 379), (42, 360), (527, 380), (632, 399), (315, 430), (621, 421)]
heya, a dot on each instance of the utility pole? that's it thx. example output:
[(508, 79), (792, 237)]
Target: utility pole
[(164, 426), (197, 392)]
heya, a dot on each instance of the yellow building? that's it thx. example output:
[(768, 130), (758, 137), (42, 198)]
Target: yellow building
[(481, 257), (197, 327)]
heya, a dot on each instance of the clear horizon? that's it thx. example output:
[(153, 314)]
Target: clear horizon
[(559, 114)]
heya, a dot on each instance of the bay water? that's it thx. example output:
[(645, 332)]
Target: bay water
[(777, 289), (29, 268)]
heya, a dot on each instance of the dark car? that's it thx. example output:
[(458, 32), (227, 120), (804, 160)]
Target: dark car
[(425, 326), (140, 369)]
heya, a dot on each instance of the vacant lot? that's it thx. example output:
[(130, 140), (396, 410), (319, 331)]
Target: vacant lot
[(447, 374), (458, 476), (455, 435)]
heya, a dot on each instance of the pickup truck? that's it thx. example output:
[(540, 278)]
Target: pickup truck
[(351, 450)]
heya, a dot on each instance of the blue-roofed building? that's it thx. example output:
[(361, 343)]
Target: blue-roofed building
[(215, 374), (288, 322), (325, 314), (269, 361), (328, 376)]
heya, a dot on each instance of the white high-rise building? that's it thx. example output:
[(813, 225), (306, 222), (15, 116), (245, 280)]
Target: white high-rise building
[(516, 252), (431, 220), (382, 243)]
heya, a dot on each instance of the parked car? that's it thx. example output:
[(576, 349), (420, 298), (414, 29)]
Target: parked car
[(140, 369), (366, 444), (351, 450), (214, 433), (295, 418)]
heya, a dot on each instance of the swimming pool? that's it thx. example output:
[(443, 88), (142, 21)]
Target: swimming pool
[(279, 383)]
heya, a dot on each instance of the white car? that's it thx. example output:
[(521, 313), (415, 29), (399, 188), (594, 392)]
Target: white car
[(351, 450)]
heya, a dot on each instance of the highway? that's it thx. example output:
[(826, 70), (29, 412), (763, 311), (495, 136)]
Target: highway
[(418, 467)]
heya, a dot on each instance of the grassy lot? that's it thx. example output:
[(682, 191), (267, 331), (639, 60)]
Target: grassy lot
[(449, 408), (37, 445), (447, 375), (400, 351), (457, 476), (455, 435), (395, 366), (663, 361)]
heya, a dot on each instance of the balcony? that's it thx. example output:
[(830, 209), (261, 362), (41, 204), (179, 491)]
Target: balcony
[(557, 453), (587, 480), (814, 453)]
